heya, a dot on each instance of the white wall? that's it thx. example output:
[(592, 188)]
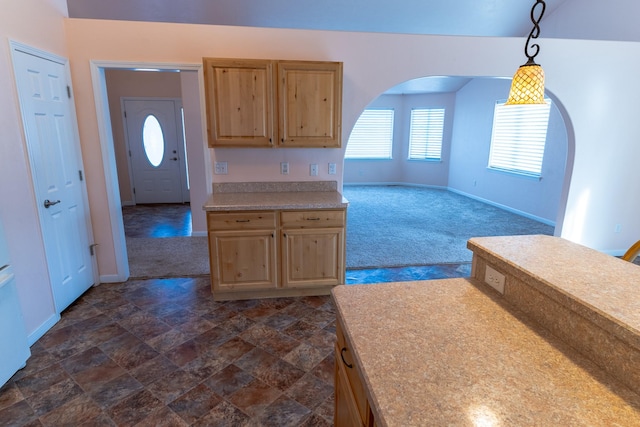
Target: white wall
[(468, 172), (399, 169), (39, 24), (375, 62), (593, 19), (194, 140)]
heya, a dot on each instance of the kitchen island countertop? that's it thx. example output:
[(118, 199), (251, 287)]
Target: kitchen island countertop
[(451, 352)]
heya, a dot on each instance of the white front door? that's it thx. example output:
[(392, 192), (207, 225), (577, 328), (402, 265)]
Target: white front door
[(56, 166), (156, 151)]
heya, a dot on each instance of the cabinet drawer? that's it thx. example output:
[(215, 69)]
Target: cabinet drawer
[(312, 219), (241, 221), (345, 357)]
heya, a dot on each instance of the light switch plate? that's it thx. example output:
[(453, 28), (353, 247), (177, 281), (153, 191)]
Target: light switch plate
[(332, 168)]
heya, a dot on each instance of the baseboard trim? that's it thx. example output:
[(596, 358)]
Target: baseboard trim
[(198, 234), (390, 184), (504, 207), (112, 278), (42, 329)]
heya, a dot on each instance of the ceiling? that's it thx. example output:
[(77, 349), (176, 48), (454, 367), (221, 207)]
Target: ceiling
[(499, 18)]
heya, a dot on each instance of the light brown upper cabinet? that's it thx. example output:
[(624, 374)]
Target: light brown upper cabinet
[(309, 104), (263, 103), (240, 102)]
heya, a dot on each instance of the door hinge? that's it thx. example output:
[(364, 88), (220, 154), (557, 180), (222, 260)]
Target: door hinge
[(80, 175), (125, 114), (129, 153), (69, 91), (134, 190), (92, 250)]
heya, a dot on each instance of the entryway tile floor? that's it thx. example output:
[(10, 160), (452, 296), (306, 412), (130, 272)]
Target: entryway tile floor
[(157, 220), (407, 274)]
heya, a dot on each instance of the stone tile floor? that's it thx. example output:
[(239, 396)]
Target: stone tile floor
[(160, 352)]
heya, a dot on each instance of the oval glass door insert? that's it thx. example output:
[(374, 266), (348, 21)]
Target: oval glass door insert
[(153, 140)]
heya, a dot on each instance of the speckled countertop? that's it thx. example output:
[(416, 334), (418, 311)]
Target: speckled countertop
[(602, 288), (445, 352), (270, 196)]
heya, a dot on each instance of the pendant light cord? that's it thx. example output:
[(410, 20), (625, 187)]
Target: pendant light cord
[(535, 31)]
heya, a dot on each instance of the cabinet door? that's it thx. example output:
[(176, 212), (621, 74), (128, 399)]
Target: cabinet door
[(345, 363), (243, 259), (310, 104), (240, 102), (312, 257), (346, 412)]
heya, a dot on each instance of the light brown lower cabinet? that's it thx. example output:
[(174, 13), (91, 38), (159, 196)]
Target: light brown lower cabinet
[(351, 404), (276, 253)]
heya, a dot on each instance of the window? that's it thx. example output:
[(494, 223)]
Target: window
[(372, 136), (425, 137), (153, 140), (518, 138)]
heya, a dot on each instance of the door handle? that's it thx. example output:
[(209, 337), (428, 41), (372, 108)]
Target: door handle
[(48, 203)]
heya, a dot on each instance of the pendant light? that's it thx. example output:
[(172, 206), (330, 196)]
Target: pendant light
[(527, 86)]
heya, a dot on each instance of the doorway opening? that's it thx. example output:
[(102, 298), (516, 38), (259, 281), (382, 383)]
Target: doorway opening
[(117, 84)]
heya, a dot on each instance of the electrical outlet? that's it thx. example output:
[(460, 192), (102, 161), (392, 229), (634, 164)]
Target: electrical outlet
[(284, 168), (313, 169), (494, 279), (332, 168), (220, 168)]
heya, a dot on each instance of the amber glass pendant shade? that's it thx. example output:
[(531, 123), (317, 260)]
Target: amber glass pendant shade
[(527, 86)]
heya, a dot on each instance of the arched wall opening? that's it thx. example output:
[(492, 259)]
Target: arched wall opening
[(469, 106)]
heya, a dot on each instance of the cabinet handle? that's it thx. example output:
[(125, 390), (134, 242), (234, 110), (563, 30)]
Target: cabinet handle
[(350, 366), (243, 220), (312, 219)]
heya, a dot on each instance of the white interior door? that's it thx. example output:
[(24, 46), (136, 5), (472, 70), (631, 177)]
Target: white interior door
[(56, 166), (156, 150)]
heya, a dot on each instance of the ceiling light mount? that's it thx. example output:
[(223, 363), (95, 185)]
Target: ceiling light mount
[(527, 86)]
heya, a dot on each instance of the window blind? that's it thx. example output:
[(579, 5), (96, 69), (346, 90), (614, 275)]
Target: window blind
[(425, 136), (372, 135), (518, 137)]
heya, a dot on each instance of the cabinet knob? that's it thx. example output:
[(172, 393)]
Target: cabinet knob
[(348, 365)]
